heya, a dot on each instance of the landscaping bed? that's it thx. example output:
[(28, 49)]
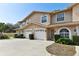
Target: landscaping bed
[(65, 40), (61, 49), (3, 36), (9, 34)]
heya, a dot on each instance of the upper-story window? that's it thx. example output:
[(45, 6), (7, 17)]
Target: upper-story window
[(23, 23), (44, 19), (60, 17)]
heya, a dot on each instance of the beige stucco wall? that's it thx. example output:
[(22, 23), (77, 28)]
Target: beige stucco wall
[(75, 13), (32, 26), (36, 18), (22, 24), (38, 31), (67, 17)]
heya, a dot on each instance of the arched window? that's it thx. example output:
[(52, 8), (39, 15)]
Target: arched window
[(64, 33)]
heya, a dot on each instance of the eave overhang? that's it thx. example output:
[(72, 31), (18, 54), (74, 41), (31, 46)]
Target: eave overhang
[(26, 26), (70, 24)]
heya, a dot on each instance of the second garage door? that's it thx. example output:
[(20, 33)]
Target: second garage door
[(40, 35)]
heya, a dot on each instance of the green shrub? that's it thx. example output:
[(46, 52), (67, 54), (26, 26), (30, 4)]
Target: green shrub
[(15, 35), (65, 41), (75, 40), (4, 37), (19, 36), (57, 37)]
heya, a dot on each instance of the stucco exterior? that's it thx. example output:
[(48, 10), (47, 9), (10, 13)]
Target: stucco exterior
[(67, 17), (75, 13), (36, 18), (71, 16), (38, 31)]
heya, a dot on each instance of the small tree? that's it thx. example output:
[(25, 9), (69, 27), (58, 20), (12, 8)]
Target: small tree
[(2, 27), (7, 27)]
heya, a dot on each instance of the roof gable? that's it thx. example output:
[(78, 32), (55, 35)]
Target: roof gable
[(53, 12), (33, 25)]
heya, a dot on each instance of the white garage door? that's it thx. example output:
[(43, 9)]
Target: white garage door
[(40, 35)]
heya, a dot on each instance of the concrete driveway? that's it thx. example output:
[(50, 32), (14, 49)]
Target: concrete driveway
[(24, 47)]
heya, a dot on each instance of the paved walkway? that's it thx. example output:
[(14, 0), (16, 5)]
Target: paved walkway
[(24, 47)]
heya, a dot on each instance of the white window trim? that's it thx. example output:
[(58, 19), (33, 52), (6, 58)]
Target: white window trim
[(41, 19), (62, 20), (70, 35)]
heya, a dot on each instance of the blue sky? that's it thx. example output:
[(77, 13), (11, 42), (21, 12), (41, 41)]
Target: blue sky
[(13, 12)]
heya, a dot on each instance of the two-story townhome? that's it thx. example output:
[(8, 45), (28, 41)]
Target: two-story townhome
[(44, 25)]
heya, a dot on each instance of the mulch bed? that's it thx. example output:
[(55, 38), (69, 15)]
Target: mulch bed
[(61, 49)]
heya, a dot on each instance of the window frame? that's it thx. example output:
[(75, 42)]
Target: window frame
[(64, 33), (60, 17), (46, 18)]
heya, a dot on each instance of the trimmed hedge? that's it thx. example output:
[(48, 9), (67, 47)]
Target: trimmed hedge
[(57, 37), (65, 41), (75, 39), (16, 36), (19, 36)]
